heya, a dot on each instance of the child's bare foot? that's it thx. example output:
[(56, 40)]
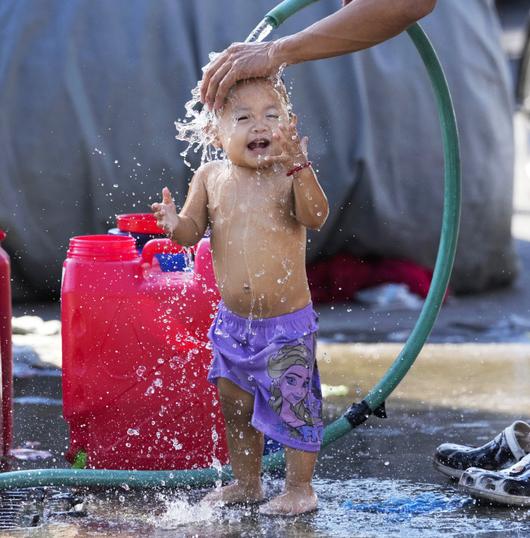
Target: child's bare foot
[(296, 500), (235, 493)]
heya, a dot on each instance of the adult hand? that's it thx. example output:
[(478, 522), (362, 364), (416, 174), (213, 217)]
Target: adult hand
[(239, 61)]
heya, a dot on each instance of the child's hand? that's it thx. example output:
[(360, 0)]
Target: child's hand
[(294, 149), (166, 213)]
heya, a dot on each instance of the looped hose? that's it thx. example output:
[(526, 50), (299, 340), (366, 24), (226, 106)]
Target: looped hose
[(378, 394)]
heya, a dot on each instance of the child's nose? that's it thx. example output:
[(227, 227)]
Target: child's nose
[(259, 127)]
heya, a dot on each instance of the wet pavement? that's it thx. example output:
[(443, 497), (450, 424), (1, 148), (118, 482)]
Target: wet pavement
[(375, 481)]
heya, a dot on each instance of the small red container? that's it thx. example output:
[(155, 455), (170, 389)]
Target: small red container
[(136, 357), (141, 223), (6, 353), (141, 226)]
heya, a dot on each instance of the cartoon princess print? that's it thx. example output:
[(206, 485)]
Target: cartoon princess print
[(292, 396)]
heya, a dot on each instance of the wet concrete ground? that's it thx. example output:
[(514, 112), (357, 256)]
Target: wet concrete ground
[(376, 481)]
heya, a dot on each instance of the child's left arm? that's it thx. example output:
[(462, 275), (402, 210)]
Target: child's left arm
[(310, 203)]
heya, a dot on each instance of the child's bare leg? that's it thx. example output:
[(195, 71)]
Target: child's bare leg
[(245, 445), (298, 496)]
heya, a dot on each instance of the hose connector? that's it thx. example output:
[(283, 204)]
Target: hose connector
[(284, 10), (358, 413)]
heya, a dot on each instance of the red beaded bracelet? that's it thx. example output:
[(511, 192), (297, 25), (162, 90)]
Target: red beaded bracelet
[(292, 171)]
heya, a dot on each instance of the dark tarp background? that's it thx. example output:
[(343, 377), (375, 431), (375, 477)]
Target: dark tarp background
[(89, 92)]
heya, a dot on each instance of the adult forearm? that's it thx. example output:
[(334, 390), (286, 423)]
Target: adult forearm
[(357, 26)]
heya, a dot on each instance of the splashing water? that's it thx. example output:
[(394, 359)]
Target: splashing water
[(196, 127), (180, 512)]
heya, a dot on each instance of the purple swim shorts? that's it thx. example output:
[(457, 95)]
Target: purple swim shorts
[(274, 360)]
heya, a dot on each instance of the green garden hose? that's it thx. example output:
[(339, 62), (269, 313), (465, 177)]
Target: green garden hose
[(376, 397)]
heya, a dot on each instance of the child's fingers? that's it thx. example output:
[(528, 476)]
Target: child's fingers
[(290, 131), (289, 141), (292, 142), (277, 159), (160, 213), (280, 134), (303, 144), (166, 196)]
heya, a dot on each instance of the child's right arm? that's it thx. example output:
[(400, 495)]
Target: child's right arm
[(188, 227)]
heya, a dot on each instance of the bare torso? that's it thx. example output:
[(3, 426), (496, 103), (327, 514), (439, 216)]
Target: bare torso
[(258, 246)]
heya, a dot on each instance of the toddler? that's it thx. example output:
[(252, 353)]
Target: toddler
[(258, 203)]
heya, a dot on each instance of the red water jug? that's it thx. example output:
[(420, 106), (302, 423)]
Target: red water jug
[(136, 356), (6, 354)]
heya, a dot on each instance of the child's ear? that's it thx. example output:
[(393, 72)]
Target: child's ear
[(293, 118), (216, 142), (212, 131)]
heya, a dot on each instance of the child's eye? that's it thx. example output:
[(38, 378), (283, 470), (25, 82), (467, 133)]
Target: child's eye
[(275, 116), (242, 118)]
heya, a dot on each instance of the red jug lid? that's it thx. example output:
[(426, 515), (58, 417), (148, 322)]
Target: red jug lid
[(2, 235), (142, 223)]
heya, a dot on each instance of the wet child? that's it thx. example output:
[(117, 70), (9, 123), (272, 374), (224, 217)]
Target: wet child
[(258, 203)]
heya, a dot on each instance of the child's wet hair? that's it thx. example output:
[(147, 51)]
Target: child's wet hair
[(277, 83)]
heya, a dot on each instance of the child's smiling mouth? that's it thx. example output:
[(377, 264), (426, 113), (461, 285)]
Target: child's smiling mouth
[(259, 145)]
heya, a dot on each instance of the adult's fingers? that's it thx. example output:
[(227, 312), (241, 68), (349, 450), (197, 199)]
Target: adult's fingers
[(218, 86), (211, 68), (239, 61)]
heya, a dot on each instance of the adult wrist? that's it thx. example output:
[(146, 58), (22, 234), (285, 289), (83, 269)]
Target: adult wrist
[(283, 51)]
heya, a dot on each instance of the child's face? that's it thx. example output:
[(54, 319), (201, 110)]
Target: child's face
[(251, 115)]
